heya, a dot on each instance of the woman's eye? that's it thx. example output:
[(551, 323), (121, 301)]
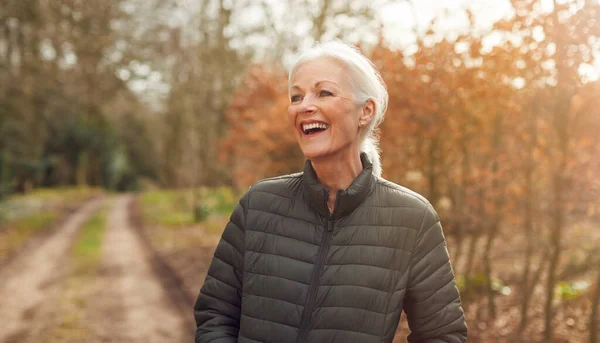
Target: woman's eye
[(325, 93), (295, 98)]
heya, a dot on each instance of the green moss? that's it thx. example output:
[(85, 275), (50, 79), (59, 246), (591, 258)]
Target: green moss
[(167, 208), (18, 206), (222, 200), (176, 218), (88, 247), (16, 233), (36, 222), (186, 207)]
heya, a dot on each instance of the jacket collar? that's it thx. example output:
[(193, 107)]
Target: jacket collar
[(346, 200)]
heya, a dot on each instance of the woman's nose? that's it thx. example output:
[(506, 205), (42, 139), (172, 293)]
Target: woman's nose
[(307, 105)]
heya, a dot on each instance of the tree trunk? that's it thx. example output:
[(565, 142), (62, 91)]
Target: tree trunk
[(527, 295), (558, 214), (487, 265), (7, 58), (461, 206), (476, 233), (319, 22), (594, 327), (433, 160), (496, 216), (82, 170), (561, 126), (471, 254), (528, 285), (525, 277)]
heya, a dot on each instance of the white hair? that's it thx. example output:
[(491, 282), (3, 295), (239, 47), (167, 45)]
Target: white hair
[(367, 83)]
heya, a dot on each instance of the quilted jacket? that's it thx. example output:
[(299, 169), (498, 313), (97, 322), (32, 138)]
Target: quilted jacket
[(285, 270)]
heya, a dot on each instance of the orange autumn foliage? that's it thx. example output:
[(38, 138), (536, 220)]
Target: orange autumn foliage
[(259, 141)]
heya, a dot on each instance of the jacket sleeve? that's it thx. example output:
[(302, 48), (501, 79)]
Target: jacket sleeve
[(217, 309), (432, 302)]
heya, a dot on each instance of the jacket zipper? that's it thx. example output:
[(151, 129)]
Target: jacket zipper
[(316, 276)]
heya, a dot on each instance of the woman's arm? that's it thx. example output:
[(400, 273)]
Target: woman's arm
[(432, 302), (217, 309)]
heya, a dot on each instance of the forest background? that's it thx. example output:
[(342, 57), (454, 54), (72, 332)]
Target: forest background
[(494, 116)]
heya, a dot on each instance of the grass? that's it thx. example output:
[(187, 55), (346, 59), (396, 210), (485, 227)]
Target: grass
[(16, 233), (166, 208), (22, 205), (36, 222), (88, 247), (174, 224), (175, 208), (86, 255), (22, 216)]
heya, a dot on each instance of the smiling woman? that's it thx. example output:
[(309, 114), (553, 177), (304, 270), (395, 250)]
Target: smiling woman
[(335, 253)]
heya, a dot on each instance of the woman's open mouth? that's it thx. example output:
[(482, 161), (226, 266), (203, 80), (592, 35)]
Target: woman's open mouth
[(314, 128)]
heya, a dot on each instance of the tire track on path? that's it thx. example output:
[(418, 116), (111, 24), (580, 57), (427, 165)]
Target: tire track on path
[(133, 306), (29, 283)]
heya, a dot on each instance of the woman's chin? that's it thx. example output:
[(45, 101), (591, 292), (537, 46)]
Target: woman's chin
[(313, 153)]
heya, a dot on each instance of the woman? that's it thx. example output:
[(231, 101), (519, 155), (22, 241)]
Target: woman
[(333, 254)]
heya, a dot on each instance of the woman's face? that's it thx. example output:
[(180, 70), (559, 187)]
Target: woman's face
[(322, 111)]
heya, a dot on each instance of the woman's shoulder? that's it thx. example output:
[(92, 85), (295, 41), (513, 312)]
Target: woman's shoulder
[(283, 185), (394, 194), (410, 203)]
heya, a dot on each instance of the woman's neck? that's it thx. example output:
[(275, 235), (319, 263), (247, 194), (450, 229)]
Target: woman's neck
[(337, 172)]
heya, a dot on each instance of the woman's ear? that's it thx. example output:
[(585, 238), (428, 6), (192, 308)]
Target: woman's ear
[(368, 111)]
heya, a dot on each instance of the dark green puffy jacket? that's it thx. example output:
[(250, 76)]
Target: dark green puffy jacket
[(286, 270)]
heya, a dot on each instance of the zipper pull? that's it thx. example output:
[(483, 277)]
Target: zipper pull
[(330, 224)]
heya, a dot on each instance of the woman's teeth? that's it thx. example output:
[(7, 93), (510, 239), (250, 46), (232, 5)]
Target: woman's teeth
[(312, 126)]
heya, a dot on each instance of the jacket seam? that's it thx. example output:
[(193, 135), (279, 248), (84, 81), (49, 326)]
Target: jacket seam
[(246, 208), (364, 265), (395, 206), (221, 281), (369, 245), (279, 277), (355, 308), (283, 236), (271, 254), (433, 272), (434, 247), (420, 232), (403, 191), (435, 292), (350, 285), (435, 312), (268, 320), (214, 339), (225, 262), (389, 296), (281, 215), (382, 225), (250, 339), (354, 331), (233, 246), (219, 299), (410, 264), (243, 253), (274, 194), (412, 254), (281, 177), (285, 301)]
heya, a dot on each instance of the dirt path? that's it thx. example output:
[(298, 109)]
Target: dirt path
[(132, 305), (29, 283)]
